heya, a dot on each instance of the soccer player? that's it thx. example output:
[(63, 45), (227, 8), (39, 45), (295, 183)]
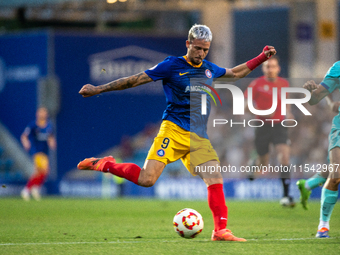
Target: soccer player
[(329, 194), (37, 138), (306, 186), (272, 132), (182, 134)]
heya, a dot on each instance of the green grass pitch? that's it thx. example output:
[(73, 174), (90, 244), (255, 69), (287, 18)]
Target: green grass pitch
[(139, 226)]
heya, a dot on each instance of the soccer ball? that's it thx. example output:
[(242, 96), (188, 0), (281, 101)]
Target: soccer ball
[(287, 202), (188, 223)]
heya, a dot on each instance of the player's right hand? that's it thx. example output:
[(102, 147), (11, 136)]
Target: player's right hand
[(310, 85), (89, 90)]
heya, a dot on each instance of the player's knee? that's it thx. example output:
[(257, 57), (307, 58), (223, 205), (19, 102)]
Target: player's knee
[(212, 181), (42, 170), (285, 162), (283, 158), (334, 182), (337, 182), (147, 182)]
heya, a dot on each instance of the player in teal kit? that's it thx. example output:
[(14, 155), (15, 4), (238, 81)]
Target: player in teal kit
[(182, 134), (319, 178), (330, 191)]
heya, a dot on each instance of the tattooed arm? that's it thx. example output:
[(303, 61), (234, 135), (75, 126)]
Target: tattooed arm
[(120, 84)]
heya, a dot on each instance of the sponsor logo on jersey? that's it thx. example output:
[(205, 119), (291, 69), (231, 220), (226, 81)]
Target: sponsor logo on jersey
[(194, 88)]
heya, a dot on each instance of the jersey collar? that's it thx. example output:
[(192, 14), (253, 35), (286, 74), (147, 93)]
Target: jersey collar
[(267, 80), (190, 63), (41, 123)]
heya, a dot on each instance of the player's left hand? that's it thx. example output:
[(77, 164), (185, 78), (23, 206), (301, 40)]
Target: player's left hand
[(310, 85), (269, 51)]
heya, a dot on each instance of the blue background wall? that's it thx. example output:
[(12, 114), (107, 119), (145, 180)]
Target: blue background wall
[(20, 53), (256, 28)]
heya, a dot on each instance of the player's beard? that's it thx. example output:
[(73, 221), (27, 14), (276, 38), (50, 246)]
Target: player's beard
[(197, 60), (272, 79)]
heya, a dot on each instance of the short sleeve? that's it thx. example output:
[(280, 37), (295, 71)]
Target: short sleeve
[(331, 80), (160, 71), (29, 128), (50, 129), (218, 71)]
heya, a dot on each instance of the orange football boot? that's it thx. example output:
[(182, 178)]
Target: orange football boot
[(96, 164), (225, 235)]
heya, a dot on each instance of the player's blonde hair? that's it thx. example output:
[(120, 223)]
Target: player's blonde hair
[(201, 32)]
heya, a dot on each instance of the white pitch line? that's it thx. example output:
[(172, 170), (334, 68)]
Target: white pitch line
[(288, 239), (171, 241), (63, 243)]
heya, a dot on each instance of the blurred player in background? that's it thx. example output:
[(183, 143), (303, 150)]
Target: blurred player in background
[(182, 134), (330, 192), (37, 138), (318, 179), (272, 132)]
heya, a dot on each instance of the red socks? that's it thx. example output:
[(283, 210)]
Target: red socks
[(216, 199), (128, 171), (36, 180), (217, 205)]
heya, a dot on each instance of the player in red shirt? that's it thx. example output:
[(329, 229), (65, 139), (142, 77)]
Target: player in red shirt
[(272, 132)]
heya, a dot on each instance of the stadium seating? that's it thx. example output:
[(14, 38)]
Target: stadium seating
[(7, 171)]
